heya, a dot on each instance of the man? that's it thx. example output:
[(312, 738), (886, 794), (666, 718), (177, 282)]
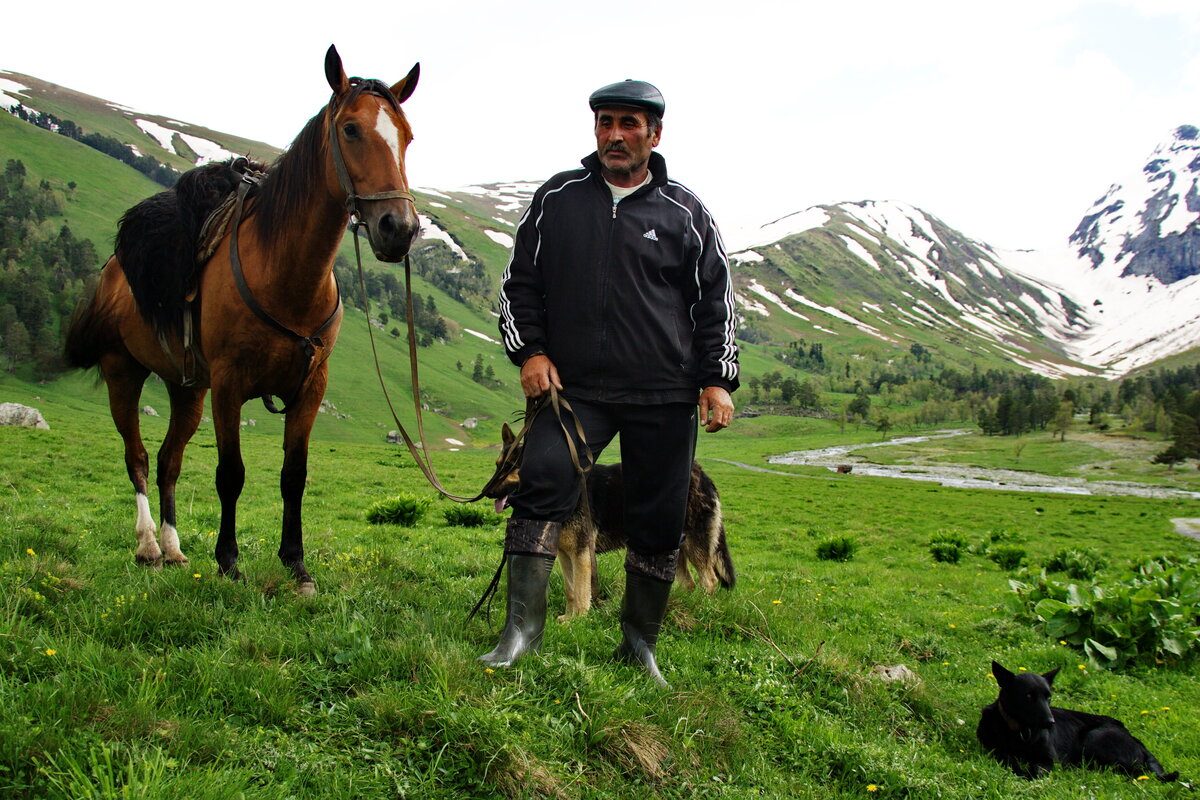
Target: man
[(618, 295)]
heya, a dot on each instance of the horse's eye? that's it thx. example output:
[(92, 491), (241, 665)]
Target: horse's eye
[(350, 130)]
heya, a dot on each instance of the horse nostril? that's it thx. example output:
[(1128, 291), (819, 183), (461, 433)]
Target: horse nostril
[(387, 226)]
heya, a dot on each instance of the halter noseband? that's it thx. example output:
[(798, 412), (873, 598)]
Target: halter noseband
[(360, 86)]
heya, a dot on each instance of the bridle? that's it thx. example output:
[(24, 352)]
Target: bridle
[(359, 86)]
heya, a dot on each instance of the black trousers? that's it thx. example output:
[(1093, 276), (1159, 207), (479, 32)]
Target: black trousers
[(658, 443)]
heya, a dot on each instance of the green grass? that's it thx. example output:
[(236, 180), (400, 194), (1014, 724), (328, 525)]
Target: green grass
[(121, 681)]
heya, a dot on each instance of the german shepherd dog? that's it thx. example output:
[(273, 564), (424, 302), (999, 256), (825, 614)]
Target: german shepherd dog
[(704, 544), (1028, 735)]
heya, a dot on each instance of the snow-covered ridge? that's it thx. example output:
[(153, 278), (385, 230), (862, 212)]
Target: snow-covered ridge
[(1161, 200)]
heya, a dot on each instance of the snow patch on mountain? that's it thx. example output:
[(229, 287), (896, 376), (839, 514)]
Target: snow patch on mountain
[(773, 298), (857, 249), (206, 150), (430, 231), (499, 238), (14, 90)]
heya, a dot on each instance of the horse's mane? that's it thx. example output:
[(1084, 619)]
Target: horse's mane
[(289, 182), (156, 241)]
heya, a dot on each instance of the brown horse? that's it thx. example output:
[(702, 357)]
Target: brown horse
[(278, 256)]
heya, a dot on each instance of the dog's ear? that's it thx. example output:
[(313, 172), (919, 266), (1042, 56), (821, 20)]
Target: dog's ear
[(1049, 676), (506, 435), (1003, 677)]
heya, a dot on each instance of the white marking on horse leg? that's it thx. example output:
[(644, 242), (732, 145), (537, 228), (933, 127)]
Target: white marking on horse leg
[(390, 133), (169, 537), (147, 551)]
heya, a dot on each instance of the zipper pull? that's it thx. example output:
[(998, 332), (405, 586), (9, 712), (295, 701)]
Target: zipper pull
[(614, 216)]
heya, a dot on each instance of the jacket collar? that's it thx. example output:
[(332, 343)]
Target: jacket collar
[(657, 164)]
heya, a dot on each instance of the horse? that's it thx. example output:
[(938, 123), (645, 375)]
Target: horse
[(261, 318)]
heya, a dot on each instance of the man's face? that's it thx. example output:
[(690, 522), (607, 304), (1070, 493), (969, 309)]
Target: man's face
[(624, 139)]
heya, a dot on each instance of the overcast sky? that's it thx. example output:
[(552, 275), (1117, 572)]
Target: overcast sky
[(1006, 120)]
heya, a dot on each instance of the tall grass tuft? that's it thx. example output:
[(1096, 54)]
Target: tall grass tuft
[(403, 509)]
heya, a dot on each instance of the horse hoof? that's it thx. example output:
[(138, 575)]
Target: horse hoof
[(147, 561), (306, 589), (176, 562)]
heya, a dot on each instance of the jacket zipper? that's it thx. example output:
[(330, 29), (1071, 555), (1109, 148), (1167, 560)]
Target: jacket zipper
[(605, 274)]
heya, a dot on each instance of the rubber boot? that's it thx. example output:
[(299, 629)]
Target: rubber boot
[(525, 622), (642, 613)]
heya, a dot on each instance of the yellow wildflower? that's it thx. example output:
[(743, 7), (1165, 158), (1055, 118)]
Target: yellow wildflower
[(30, 551), (50, 651), (776, 602), (872, 787)]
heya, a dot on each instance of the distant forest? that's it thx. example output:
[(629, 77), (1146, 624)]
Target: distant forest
[(42, 272)]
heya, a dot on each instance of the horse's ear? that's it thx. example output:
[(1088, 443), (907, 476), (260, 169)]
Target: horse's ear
[(334, 72), (404, 89)]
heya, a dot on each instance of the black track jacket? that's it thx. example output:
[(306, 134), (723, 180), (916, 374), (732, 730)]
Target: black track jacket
[(633, 303)]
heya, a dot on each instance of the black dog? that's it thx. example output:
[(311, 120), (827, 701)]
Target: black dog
[(1023, 731)]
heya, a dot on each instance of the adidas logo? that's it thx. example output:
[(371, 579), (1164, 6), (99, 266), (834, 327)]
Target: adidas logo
[(651, 235)]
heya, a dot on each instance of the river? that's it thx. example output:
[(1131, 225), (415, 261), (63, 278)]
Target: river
[(968, 477)]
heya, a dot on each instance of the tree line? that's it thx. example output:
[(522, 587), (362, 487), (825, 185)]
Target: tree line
[(43, 270), (147, 165)]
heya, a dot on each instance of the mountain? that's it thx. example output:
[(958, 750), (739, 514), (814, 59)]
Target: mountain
[(1123, 291), (1133, 262), (867, 281), (177, 144), (889, 272), (456, 265)]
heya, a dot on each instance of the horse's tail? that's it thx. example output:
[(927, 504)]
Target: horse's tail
[(88, 336)]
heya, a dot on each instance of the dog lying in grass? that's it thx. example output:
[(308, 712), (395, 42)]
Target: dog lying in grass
[(704, 545), (1028, 735)]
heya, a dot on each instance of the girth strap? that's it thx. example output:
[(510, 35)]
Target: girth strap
[(308, 344)]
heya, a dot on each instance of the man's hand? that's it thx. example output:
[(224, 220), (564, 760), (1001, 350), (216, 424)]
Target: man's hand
[(538, 374), (716, 408)]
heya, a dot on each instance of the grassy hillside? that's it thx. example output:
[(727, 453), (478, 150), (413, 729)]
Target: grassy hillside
[(119, 681), (105, 187)]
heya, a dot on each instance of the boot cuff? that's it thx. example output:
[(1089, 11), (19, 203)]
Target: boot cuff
[(660, 566), (532, 537)]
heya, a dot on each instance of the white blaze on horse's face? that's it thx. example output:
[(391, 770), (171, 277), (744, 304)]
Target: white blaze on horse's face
[(389, 132)]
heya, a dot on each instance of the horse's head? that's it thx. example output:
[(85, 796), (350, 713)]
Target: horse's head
[(368, 136)]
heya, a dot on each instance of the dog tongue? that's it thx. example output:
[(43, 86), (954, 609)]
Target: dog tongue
[(501, 504)]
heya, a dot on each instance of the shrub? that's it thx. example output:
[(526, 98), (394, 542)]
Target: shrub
[(465, 516), (1149, 618), (946, 552), (837, 549), (1080, 564), (947, 547), (1008, 558), (403, 509)]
